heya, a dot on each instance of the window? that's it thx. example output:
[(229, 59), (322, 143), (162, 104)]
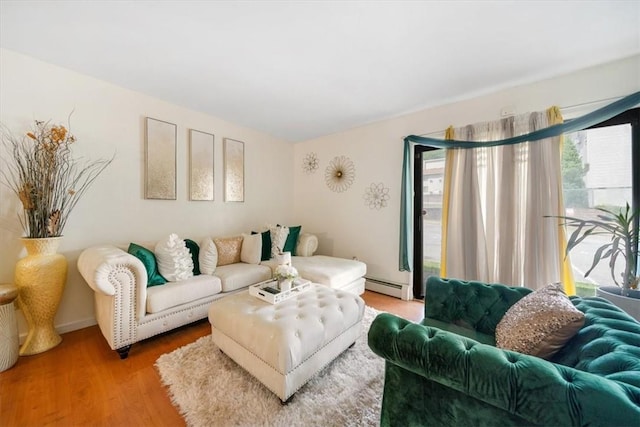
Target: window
[(600, 165), (600, 168)]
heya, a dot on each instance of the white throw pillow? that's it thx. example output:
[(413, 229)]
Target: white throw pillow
[(251, 248), (174, 259), (208, 256), (278, 239)]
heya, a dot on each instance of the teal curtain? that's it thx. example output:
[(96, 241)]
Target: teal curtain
[(406, 207)]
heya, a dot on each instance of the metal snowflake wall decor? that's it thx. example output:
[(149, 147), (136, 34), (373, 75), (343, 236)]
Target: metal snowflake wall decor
[(376, 196), (340, 174), (310, 163)]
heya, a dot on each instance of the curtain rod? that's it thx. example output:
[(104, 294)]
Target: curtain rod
[(562, 109)]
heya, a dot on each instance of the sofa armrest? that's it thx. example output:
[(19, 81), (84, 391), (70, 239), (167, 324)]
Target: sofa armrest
[(534, 389), (110, 271), (307, 244), (97, 263)]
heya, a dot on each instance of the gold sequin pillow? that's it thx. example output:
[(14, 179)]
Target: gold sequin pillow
[(229, 249), (540, 323)]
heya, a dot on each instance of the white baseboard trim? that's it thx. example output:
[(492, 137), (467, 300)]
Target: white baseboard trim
[(398, 290), (75, 325), (68, 327)]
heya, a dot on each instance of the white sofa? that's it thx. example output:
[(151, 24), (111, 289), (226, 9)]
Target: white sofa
[(128, 311)]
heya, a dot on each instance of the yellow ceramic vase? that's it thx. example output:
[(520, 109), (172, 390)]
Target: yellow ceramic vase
[(40, 279)]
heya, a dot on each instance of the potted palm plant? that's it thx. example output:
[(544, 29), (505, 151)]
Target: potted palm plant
[(622, 248)]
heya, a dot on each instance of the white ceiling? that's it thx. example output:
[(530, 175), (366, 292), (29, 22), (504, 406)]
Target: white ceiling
[(299, 70)]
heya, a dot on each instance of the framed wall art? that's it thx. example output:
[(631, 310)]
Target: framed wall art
[(233, 170), (160, 160), (201, 157)]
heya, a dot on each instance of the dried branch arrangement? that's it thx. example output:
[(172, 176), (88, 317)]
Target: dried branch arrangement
[(41, 171)]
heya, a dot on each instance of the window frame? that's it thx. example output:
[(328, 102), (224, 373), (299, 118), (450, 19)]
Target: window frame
[(630, 117), (418, 216)]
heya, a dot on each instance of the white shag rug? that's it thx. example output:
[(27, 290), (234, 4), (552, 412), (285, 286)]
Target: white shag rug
[(210, 389)]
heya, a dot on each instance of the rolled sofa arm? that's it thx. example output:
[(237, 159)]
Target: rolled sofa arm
[(534, 389), (97, 263), (120, 283), (307, 244)]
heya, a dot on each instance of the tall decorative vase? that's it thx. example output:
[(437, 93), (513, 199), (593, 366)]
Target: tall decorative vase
[(40, 278)]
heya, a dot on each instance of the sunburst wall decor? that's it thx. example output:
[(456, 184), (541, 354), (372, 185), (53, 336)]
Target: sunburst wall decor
[(310, 163), (340, 174), (376, 196)]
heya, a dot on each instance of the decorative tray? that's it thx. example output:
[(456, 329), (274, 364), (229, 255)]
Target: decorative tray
[(268, 290)]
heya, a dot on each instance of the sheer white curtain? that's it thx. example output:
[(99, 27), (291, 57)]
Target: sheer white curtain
[(498, 197)]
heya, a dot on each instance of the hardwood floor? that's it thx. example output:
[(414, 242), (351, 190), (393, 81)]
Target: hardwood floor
[(83, 382)]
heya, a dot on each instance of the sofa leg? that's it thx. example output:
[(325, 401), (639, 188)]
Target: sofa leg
[(124, 351)]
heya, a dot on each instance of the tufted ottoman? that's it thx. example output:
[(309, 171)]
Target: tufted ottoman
[(284, 345)]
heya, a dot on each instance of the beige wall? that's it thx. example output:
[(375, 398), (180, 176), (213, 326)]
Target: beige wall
[(108, 119), (349, 228)]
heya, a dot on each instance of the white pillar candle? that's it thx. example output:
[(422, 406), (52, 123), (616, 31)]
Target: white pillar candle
[(283, 258)]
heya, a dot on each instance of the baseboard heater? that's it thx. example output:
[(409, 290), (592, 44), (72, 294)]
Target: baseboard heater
[(387, 287)]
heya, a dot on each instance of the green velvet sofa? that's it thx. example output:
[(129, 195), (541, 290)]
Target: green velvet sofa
[(446, 370)]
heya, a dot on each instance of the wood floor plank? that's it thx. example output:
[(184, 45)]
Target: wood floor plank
[(83, 382)]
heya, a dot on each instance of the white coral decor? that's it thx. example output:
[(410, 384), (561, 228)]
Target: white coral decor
[(286, 272)]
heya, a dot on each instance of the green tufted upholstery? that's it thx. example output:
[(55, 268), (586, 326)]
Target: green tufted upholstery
[(473, 305), (440, 378), (607, 345)]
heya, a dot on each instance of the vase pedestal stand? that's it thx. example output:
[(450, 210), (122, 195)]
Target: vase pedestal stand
[(9, 342), (40, 278)]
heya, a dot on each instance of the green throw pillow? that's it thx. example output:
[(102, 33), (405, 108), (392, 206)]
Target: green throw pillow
[(266, 245), (292, 240), (195, 253), (148, 259)]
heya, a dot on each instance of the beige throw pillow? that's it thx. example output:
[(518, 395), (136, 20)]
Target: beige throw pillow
[(208, 256), (539, 324), (251, 248), (228, 250)]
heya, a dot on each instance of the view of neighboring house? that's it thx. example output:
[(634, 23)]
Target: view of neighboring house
[(606, 155)]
